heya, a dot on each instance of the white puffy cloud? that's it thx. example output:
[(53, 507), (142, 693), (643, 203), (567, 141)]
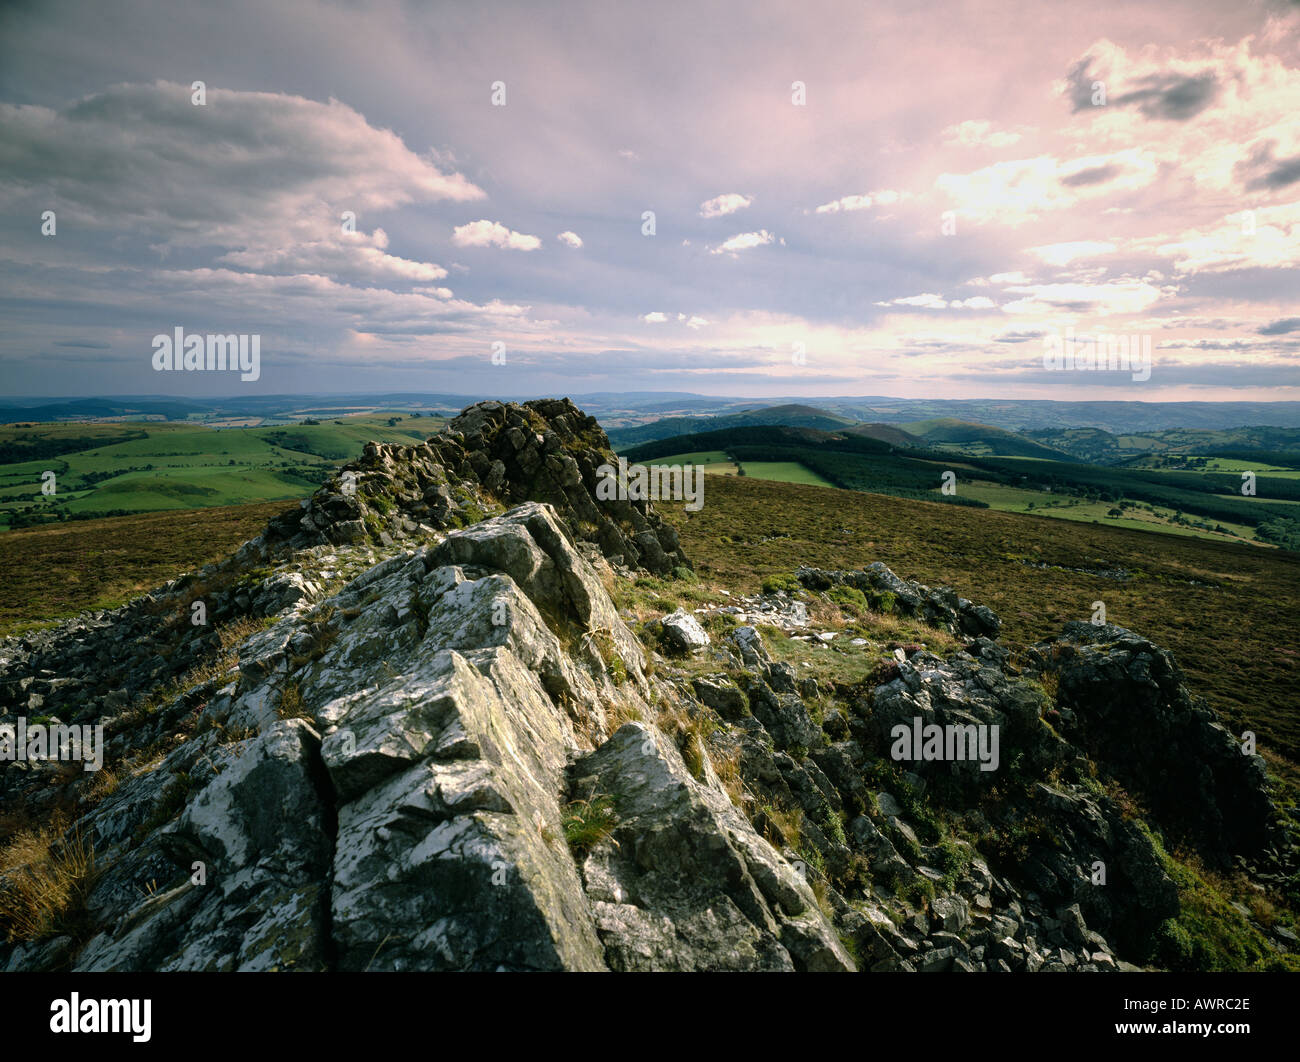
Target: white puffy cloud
[(570, 239), (1267, 238), (924, 302), (727, 203), (743, 242), (355, 255), (484, 233), (1021, 190), (657, 317), (1117, 297), (930, 301), (848, 203)]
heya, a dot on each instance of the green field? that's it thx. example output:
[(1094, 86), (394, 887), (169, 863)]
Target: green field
[(132, 467), (1137, 516), (784, 472), (718, 462), (715, 462)]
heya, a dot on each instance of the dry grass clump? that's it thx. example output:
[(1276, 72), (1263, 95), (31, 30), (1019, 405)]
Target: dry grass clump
[(45, 877)]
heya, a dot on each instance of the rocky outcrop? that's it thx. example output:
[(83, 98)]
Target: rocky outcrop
[(939, 608), (494, 455), (1121, 699)]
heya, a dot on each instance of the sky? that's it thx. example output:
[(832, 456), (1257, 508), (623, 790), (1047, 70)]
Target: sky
[(751, 198)]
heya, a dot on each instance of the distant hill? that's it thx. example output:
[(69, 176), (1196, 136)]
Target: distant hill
[(948, 433), (1096, 445), (100, 408), (889, 433), (787, 416), (757, 435)]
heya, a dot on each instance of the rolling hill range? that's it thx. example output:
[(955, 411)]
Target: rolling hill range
[(795, 416), (1017, 476)]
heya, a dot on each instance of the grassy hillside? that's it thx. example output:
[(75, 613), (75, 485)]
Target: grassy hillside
[(113, 469), (1196, 496), (52, 572), (945, 433), (1097, 445)]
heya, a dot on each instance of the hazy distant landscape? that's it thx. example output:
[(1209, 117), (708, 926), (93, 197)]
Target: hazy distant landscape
[(1181, 480)]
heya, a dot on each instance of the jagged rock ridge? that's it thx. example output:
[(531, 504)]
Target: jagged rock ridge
[(492, 455)]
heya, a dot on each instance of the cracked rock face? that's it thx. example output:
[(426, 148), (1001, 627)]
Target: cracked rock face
[(687, 884), (410, 814)]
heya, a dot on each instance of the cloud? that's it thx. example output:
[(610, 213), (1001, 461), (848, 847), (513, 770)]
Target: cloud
[(1267, 238), (249, 169), (1062, 254), (847, 203), (654, 318), (1018, 335), (1274, 346), (721, 205), (930, 301), (1280, 328), (267, 179), (1262, 171), (743, 242), (1020, 190), (570, 239), (1118, 297), (927, 301), (355, 255), (1177, 94), (977, 133), (484, 233)]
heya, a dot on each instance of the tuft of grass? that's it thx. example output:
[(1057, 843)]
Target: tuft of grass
[(781, 827), (103, 784), (45, 877), (291, 704), (589, 822), (604, 643), (850, 599), (774, 584), (690, 731)]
